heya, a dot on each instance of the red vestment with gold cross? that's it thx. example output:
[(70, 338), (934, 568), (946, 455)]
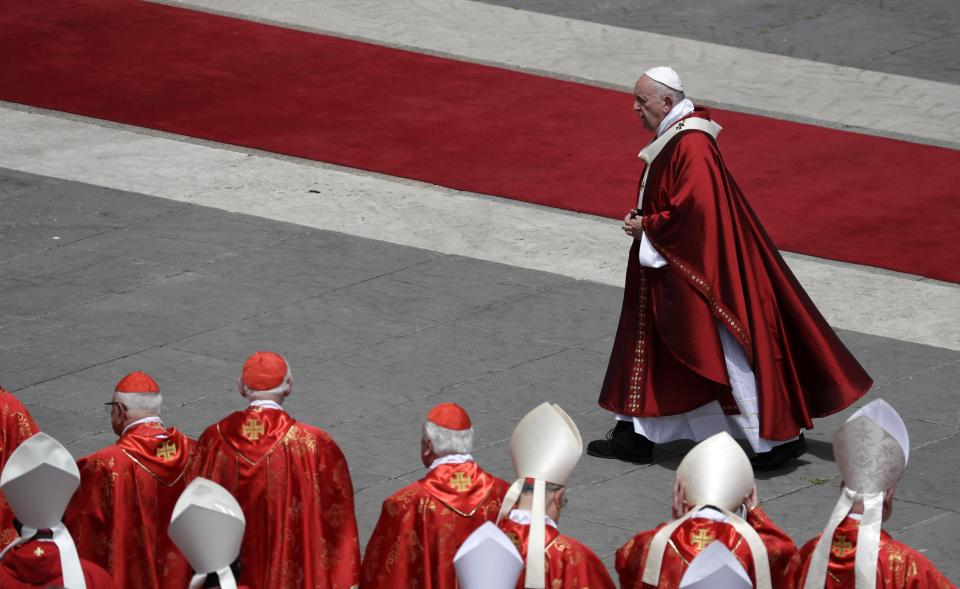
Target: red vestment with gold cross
[(694, 535), (422, 525), (36, 563), (568, 563), (294, 486), (119, 516), (898, 565), (722, 267), (16, 425)]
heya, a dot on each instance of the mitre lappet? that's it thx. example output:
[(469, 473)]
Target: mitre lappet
[(487, 559), (716, 473), (207, 526), (871, 451), (546, 447), (715, 567), (38, 481)]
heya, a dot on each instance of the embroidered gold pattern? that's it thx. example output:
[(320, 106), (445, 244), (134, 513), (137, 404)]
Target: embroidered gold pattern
[(253, 429), (38, 552), (167, 451), (461, 482), (702, 538), (638, 370), (841, 546)]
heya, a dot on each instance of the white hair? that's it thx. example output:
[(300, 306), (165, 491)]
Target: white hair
[(276, 394), (663, 91), (448, 441), (141, 403)]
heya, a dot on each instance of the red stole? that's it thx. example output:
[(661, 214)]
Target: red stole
[(16, 425), (722, 267), (898, 566), (36, 563), (568, 562), (294, 486), (422, 526), (119, 516), (694, 535)]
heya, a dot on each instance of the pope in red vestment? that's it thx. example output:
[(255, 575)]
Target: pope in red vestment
[(292, 481), (709, 264), (422, 525), (119, 515), (568, 562), (694, 535), (898, 565), (36, 563), (16, 425)]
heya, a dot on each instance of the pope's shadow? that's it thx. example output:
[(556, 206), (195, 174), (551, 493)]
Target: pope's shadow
[(668, 456)]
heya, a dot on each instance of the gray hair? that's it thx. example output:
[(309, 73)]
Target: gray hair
[(252, 395), (448, 441), (142, 403), (663, 91)]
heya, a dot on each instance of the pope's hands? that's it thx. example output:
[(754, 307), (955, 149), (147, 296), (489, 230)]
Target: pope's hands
[(752, 500), (632, 224)]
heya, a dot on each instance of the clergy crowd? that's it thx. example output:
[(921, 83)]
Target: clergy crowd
[(263, 500)]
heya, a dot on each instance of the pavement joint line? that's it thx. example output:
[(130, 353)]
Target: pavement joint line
[(924, 522), (94, 365), (598, 522), (933, 505), (922, 372)]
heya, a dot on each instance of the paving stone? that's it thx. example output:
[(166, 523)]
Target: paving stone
[(887, 360), (935, 538), (931, 478)]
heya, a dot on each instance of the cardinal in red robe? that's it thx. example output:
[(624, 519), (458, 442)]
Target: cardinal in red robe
[(16, 425), (422, 525), (715, 333), (292, 482), (36, 563), (898, 565), (119, 516)]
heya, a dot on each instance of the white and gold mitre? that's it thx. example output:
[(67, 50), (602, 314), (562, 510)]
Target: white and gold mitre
[(545, 446), (871, 450), (718, 474), (207, 526)]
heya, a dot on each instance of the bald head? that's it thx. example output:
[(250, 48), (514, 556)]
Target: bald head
[(652, 101)]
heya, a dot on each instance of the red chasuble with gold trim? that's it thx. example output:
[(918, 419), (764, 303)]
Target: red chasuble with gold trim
[(37, 564), (568, 562), (119, 516), (294, 486), (898, 567), (722, 266), (694, 535), (422, 525), (16, 425)]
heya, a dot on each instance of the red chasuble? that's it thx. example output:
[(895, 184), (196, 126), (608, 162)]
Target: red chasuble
[(119, 516), (721, 266), (422, 525), (694, 535), (293, 484), (568, 562), (16, 425), (898, 566), (37, 564)]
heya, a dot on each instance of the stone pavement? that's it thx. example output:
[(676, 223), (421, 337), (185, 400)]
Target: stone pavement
[(96, 282)]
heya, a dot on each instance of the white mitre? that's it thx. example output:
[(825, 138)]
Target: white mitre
[(667, 76), (871, 450), (207, 526), (715, 567), (545, 446), (487, 559), (38, 481), (715, 473)]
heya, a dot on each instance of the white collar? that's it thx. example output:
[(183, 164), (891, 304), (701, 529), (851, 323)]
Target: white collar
[(856, 516), (265, 404), (524, 517), (679, 110), (451, 459), (151, 419)]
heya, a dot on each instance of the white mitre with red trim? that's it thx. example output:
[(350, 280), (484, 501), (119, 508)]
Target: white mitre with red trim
[(38, 481), (718, 474), (207, 526), (545, 446), (871, 450)]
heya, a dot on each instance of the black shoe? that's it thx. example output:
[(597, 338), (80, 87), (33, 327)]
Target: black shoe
[(623, 444), (780, 455)]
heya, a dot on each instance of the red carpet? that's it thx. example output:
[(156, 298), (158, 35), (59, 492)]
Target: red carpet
[(825, 193)]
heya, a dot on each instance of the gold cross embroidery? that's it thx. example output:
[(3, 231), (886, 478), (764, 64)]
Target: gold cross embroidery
[(841, 546), (461, 482), (702, 538), (38, 552), (253, 429), (167, 451)]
